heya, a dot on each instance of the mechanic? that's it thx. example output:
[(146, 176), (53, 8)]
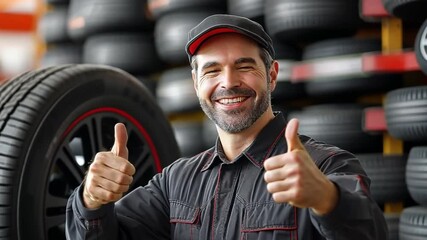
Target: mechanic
[(261, 180)]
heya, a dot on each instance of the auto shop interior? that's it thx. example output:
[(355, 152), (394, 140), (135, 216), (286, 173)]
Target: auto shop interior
[(353, 72)]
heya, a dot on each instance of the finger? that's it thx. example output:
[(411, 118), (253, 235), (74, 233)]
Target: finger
[(110, 186), (102, 195), (105, 162), (117, 177), (283, 197), (291, 134), (120, 141), (275, 162), (278, 186), (275, 175)]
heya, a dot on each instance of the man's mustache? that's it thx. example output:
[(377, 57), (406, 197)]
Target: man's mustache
[(221, 93)]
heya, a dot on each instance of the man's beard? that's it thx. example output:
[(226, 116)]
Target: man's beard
[(234, 121)]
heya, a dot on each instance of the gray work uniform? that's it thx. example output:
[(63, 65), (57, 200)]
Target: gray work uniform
[(207, 197)]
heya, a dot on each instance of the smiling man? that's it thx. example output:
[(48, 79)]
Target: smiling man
[(261, 180)]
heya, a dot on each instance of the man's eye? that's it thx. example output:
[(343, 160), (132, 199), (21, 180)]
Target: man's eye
[(211, 72), (245, 67)]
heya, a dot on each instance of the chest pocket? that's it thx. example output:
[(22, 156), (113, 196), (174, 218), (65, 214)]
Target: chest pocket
[(185, 221), (270, 221)]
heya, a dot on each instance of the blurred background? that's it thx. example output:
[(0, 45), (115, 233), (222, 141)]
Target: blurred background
[(353, 72)]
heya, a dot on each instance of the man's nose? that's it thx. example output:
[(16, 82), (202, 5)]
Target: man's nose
[(230, 79)]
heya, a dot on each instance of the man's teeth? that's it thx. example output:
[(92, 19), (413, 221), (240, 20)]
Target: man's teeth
[(231, 100)]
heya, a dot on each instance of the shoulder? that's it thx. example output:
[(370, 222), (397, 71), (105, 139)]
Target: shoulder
[(330, 158)]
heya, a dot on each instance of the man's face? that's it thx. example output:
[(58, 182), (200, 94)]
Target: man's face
[(231, 82)]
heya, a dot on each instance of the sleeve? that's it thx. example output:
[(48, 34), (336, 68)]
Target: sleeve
[(144, 212), (357, 215), (82, 223)]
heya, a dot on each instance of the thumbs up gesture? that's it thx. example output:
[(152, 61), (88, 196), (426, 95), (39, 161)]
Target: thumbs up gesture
[(294, 178), (110, 174)]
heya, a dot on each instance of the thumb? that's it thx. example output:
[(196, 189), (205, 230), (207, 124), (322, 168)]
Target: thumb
[(291, 135), (120, 141)]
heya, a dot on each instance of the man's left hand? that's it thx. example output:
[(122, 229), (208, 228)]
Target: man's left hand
[(293, 177)]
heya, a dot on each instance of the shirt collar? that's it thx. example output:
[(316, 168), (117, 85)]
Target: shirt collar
[(260, 149)]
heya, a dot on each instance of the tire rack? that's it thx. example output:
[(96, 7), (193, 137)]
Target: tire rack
[(392, 59), (22, 22)]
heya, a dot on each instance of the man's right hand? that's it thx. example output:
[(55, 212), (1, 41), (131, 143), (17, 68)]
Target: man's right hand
[(110, 174)]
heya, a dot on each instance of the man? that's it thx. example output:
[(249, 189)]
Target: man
[(260, 181)]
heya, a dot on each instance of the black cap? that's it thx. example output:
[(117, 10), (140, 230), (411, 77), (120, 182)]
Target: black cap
[(223, 23)]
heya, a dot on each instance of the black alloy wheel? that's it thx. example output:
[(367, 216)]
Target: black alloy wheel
[(52, 123), (421, 47)]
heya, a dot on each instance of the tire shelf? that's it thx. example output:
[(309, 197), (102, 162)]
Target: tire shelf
[(392, 59), (377, 62), (372, 9)]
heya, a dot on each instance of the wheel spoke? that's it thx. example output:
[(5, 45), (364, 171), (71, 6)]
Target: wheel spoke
[(94, 137), (55, 210), (67, 163), (143, 162), (142, 168), (90, 136)]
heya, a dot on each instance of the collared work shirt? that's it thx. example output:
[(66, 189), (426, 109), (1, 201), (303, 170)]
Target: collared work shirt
[(208, 197)]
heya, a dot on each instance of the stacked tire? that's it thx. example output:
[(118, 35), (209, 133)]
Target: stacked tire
[(115, 33), (146, 38), (52, 28), (310, 20), (343, 74), (406, 115), (175, 91)]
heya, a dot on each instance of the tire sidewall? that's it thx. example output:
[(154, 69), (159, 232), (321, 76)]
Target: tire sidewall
[(53, 120)]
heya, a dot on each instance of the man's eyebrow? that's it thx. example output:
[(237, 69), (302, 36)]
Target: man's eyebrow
[(208, 65), (245, 60)]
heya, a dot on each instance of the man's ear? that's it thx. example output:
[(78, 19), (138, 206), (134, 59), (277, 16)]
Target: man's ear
[(194, 77), (274, 71)]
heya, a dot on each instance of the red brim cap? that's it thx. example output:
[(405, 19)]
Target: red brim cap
[(223, 23)]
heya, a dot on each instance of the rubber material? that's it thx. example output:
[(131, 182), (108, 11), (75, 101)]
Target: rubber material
[(406, 113), (39, 111)]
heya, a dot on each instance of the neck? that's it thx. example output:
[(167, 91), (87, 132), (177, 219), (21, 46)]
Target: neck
[(235, 143)]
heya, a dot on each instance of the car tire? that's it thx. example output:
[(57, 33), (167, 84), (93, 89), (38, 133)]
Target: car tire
[(406, 113), (392, 220), (416, 174), (52, 27), (412, 224), (133, 52), (252, 9), (351, 84), (421, 47), (89, 17), (175, 91), (63, 53), (310, 20), (340, 47), (408, 10), (189, 136), (57, 2), (52, 123), (339, 125), (387, 174), (159, 8), (171, 34)]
